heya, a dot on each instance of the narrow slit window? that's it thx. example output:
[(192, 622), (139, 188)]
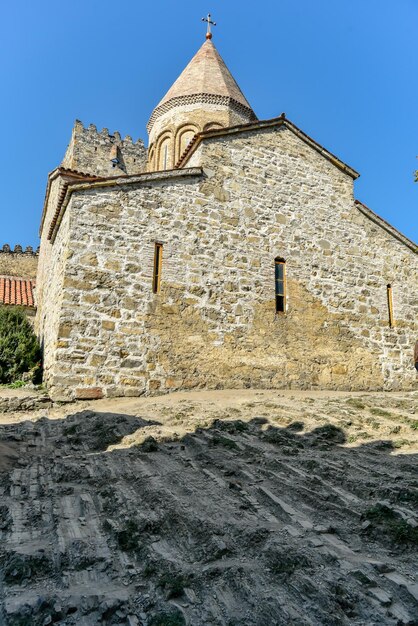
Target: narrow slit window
[(390, 305), (280, 284), (158, 259)]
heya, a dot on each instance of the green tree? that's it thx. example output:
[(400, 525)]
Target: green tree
[(19, 347)]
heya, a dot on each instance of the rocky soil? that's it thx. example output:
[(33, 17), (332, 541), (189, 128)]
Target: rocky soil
[(225, 508)]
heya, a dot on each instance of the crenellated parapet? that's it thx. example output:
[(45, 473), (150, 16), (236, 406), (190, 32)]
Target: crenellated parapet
[(103, 154), (18, 261), (18, 249)]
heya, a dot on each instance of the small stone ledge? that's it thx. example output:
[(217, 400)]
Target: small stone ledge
[(16, 403)]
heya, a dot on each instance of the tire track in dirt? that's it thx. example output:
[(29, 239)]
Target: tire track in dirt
[(244, 521)]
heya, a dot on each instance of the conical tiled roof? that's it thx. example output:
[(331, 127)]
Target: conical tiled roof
[(206, 76), (206, 73)]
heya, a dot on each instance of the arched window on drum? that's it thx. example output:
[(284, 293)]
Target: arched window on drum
[(151, 155), (164, 156)]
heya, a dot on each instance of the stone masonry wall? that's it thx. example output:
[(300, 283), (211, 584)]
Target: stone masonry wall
[(49, 280), (18, 262), (50, 300), (45, 270), (263, 194), (91, 152)]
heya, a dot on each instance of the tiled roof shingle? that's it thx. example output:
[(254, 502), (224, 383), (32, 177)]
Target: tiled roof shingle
[(17, 291)]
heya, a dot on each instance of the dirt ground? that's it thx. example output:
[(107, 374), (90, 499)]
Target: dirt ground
[(234, 508)]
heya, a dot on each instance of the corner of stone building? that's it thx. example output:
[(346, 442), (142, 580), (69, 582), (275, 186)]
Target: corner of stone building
[(68, 159)]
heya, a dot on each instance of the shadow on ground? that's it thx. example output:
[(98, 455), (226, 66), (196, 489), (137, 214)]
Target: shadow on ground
[(240, 523)]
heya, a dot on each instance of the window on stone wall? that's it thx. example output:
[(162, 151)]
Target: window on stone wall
[(280, 284), (390, 305), (165, 156), (158, 259)]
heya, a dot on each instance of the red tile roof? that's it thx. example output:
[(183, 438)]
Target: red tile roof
[(17, 291)]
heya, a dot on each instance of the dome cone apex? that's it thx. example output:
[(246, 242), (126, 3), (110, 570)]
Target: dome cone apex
[(205, 75), (204, 97)]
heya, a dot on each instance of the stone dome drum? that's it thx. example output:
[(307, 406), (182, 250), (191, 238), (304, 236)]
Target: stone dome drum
[(205, 96)]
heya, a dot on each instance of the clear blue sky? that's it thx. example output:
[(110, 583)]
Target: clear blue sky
[(344, 71)]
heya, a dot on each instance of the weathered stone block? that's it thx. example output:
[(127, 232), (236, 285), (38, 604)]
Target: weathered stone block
[(91, 298), (131, 382), (64, 331), (108, 325), (97, 359), (89, 259), (112, 264), (131, 363), (172, 383), (88, 393)]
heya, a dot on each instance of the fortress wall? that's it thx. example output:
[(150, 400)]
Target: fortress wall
[(19, 261)]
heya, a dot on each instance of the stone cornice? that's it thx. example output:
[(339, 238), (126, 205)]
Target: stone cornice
[(66, 174), (276, 122), (379, 221), (200, 98), (119, 181)]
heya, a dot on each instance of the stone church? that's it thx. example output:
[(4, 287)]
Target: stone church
[(231, 253)]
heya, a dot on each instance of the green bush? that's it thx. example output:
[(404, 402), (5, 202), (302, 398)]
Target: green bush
[(19, 348), (391, 522), (174, 618)]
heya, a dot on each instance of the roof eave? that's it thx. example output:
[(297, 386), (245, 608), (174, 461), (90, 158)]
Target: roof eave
[(374, 217), (260, 125), (65, 173), (112, 181)]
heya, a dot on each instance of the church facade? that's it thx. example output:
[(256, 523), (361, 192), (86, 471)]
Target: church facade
[(231, 253)]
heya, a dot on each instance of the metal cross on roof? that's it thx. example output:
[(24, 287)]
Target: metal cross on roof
[(209, 21)]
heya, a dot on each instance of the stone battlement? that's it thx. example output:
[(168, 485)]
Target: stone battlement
[(92, 132), (18, 249), (103, 154)]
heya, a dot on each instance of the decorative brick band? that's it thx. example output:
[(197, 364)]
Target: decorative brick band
[(199, 98)]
